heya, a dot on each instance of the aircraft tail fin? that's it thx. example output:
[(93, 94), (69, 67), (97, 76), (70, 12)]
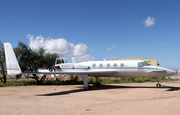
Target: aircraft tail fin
[(74, 60), (12, 65)]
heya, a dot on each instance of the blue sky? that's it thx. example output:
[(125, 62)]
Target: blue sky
[(106, 28)]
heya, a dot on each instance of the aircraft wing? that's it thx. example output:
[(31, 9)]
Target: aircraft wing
[(76, 72)]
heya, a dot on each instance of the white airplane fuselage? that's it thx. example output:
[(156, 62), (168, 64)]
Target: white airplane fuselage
[(133, 68)]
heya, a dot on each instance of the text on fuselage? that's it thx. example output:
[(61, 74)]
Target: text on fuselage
[(67, 65)]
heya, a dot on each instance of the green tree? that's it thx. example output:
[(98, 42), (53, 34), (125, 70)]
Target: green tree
[(2, 63), (41, 60), (26, 57), (50, 59), (30, 60)]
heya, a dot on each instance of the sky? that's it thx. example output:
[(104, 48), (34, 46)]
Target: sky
[(95, 29)]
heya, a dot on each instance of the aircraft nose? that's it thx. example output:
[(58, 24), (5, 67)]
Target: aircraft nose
[(172, 72)]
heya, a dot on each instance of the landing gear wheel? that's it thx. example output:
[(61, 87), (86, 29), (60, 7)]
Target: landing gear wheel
[(158, 85), (87, 88), (97, 83)]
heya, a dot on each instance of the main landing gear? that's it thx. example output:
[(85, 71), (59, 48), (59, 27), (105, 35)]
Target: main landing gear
[(158, 85), (85, 80), (87, 88), (96, 84), (97, 81)]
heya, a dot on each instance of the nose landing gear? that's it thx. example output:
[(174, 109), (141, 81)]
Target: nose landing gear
[(158, 85)]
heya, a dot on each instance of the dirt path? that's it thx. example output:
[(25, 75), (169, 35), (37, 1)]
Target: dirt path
[(114, 99)]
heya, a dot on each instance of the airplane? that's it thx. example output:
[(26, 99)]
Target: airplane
[(128, 68)]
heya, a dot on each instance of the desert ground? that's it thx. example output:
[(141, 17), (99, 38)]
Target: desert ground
[(114, 99)]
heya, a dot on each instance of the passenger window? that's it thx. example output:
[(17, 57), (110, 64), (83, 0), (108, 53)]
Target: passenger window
[(100, 65), (115, 65), (94, 65), (122, 65), (108, 65), (140, 64)]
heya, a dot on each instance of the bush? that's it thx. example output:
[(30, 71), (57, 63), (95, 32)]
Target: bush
[(139, 80), (18, 76), (115, 80), (91, 80)]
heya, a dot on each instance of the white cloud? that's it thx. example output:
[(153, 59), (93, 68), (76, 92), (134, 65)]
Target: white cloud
[(80, 49), (149, 22), (60, 46), (86, 57), (110, 48)]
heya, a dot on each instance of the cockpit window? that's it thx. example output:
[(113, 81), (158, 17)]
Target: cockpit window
[(141, 64), (146, 64)]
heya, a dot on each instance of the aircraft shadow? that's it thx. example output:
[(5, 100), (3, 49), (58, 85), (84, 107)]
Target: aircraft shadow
[(171, 88), (105, 87)]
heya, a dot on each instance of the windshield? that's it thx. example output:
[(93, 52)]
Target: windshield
[(146, 64), (141, 64)]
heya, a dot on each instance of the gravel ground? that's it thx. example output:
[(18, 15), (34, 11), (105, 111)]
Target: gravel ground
[(114, 99)]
